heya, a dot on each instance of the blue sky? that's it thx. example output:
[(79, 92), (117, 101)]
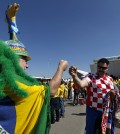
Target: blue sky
[(76, 30)]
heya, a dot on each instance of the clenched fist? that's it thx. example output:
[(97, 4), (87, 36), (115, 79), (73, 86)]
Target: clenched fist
[(63, 64), (73, 70)]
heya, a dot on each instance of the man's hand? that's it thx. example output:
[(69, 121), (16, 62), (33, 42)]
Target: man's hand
[(63, 64), (112, 95), (73, 71), (56, 80)]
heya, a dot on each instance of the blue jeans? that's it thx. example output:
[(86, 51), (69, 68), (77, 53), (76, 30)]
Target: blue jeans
[(93, 120), (55, 107), (62, 107), (91, 117)]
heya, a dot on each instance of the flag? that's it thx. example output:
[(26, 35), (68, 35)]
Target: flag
[(29, 115)]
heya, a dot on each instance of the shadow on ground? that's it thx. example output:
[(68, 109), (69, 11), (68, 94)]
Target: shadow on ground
[(71, 104), (79, 114)]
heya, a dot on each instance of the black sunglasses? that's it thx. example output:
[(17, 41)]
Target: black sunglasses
[(103, 68)]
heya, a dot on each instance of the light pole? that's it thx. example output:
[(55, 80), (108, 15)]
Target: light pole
[(49, 67)]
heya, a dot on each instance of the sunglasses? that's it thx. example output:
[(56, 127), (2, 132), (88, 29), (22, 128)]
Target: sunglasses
[(103, 68)]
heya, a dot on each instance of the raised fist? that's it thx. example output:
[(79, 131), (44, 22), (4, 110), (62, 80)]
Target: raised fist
[(63, 64), (73, 70)]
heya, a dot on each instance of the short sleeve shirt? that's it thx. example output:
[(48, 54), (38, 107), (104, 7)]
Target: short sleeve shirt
[(97, 89)]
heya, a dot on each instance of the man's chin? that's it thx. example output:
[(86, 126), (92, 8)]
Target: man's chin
[(100, 73)]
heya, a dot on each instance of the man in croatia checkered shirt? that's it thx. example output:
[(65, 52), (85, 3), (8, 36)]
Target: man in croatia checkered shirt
[(98, 85)]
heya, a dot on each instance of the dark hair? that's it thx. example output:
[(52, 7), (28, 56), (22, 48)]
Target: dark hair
[(103, 60)]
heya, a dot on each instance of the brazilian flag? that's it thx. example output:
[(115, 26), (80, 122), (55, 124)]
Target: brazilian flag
[(29, 115)]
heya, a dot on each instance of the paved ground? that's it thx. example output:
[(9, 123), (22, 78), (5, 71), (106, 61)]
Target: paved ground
[(74, 121)]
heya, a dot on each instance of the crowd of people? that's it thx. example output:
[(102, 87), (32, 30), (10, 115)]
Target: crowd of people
[(28, 106)]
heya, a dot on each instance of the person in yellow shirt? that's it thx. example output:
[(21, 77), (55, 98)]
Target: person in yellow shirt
[(55, 107), (66, 92), (62, 94), (70, 90)]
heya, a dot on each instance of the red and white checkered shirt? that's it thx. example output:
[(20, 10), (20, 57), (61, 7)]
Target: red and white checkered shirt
[(97, 89)]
